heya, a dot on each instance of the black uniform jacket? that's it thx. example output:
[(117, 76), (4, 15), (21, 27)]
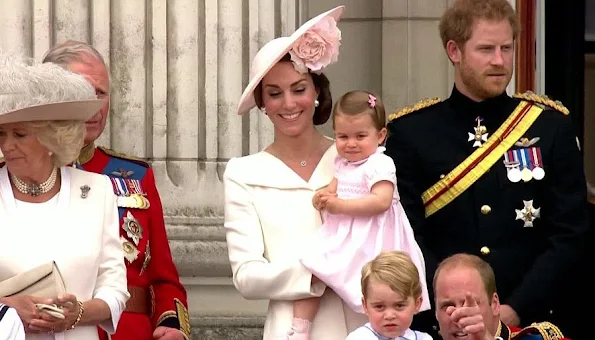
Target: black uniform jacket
[(529, 262)]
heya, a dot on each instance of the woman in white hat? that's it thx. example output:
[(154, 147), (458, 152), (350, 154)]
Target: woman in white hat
[(269, 216), (53, 212)]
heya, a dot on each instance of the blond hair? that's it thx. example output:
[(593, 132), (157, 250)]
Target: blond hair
[(484, 269), (396, 270), (357, 102), (64, 138), (458, 20)]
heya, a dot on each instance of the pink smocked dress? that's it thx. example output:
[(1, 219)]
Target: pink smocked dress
[(346, 243)]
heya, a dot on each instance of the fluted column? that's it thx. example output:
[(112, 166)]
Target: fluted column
[(178, 68)]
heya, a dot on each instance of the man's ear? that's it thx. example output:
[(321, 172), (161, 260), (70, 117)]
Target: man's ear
[(495, 305), (454, 52)]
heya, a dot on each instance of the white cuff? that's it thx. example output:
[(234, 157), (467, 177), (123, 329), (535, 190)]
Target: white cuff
[(115, 310)]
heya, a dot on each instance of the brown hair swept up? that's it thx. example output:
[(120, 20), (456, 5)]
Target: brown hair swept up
[(325, 100), (395, 269), (458, 20), (357, 102)]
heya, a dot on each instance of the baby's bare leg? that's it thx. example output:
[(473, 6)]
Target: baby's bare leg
[(306, 309)]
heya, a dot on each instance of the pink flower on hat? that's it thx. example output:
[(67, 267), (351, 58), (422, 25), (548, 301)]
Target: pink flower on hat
[(318, 47)]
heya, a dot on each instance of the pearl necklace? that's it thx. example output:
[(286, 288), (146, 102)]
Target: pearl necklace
[(35, 189)]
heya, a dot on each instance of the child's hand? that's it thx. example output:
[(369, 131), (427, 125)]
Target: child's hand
[(331, 203), (316, 200)]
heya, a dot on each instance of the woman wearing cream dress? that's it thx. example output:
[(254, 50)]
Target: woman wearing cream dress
[(51, 211), (269, 217)]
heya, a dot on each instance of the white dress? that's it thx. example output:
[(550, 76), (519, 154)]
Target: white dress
[(269, 221), (80, 234), (11, 327)]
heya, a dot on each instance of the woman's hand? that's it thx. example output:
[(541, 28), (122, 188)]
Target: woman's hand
[(46, 323), (26, 309)]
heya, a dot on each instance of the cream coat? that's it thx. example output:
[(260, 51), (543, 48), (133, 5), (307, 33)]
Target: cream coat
[(80, 234), (270, 222)]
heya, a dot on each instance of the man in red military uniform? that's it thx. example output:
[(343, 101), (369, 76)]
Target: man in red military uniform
[(157, 308)]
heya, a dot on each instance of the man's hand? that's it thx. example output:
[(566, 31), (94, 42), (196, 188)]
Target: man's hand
[(509, 316), (167, 333), (469, 319)]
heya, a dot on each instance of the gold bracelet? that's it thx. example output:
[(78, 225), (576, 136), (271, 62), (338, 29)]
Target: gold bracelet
[(80, 316)]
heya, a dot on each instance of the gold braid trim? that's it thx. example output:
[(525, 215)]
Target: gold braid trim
[(123, 156), (543, 100), (547, 330), (181, 314), (415, 107), (183, 317)]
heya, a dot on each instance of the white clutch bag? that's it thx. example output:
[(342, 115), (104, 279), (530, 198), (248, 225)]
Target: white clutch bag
[(43, 281)]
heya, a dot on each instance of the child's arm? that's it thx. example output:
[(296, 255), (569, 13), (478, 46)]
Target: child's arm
[(332, 187), (378, 201)]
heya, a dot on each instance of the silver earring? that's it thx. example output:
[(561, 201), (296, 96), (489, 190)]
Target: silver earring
[(263, 109), (316, 103)]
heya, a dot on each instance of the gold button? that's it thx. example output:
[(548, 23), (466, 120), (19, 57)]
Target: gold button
[(486, 209), (485, 250), (442, 176)]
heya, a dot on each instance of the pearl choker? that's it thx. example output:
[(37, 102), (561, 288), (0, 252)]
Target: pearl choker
[(35, 189)]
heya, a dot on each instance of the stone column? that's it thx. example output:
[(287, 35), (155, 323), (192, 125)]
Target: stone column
[(178, 68), (414, 63)]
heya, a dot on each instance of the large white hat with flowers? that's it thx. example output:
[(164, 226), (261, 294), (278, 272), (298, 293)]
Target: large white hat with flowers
[(313, 46)]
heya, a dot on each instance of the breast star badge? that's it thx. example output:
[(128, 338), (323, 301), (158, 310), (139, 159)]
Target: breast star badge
[(132, 228), (480, 134), (528, 214), (130, 251)]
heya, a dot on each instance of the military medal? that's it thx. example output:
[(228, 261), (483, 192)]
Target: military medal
[(130, 251), (526, 175), (129, 193), (133, 229), (479, 134), (536, 162), (512, 167), (528, 214)]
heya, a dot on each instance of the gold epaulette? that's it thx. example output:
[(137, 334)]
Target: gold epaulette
[(417, 106), (543, 100), (123, 156), (547, 330)]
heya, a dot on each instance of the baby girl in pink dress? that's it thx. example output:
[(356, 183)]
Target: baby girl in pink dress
[(361, 210)]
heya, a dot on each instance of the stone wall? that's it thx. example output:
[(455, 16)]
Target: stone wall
[(178, 68)]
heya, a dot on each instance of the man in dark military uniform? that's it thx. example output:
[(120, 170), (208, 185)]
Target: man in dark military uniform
[(468, 305), (488, 174), (157, 308)]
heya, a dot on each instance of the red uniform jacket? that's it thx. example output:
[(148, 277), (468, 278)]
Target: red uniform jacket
[(157, 296)]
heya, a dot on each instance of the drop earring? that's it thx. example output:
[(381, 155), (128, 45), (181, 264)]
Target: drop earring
[(316, 103)]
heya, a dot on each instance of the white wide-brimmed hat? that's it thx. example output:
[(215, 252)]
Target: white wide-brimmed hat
[(313, 46), (81, 110), (31, 91)]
